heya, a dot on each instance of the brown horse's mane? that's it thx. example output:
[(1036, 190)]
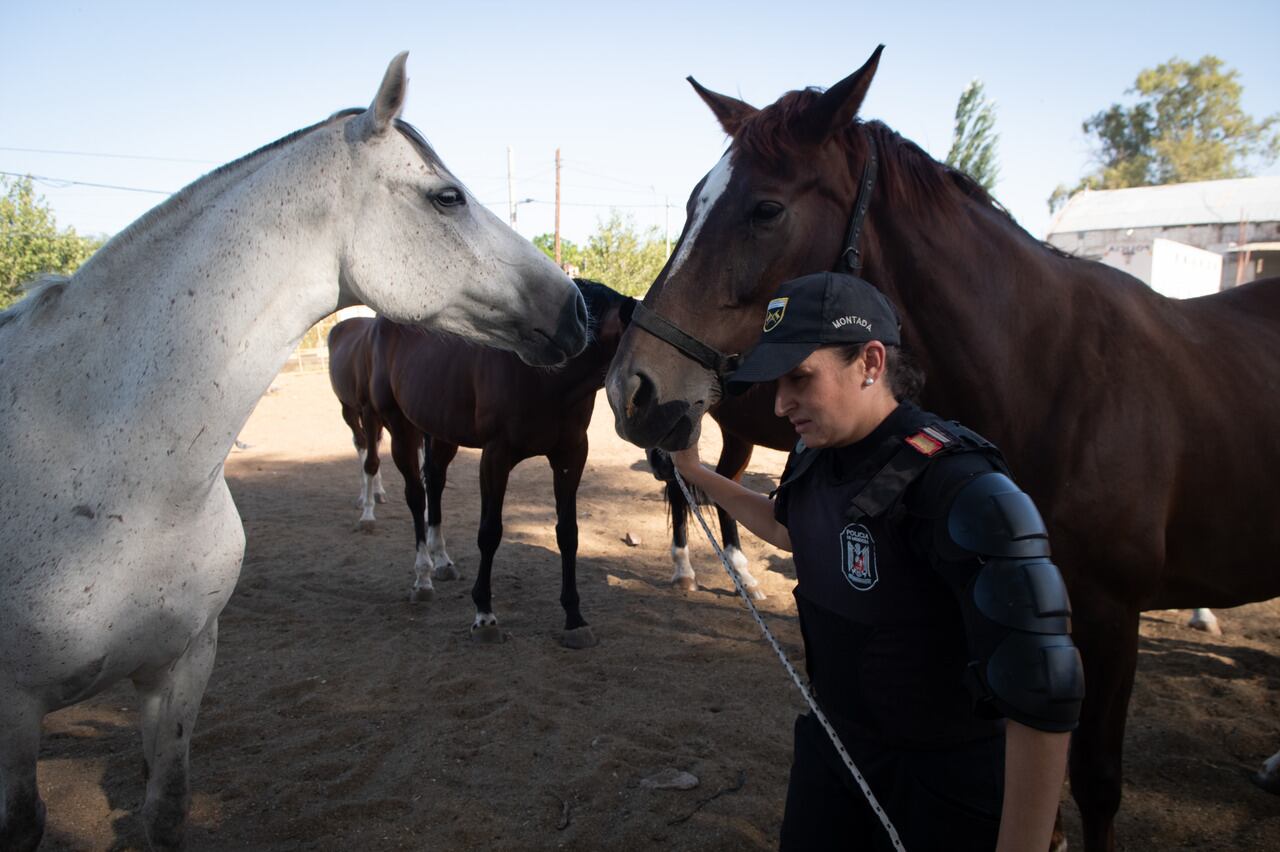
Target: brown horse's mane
[(916, 181)]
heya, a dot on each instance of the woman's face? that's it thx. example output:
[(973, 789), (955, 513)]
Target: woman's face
[(827, 402)]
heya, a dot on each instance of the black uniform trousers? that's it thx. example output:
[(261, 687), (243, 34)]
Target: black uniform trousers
[(938, 799)]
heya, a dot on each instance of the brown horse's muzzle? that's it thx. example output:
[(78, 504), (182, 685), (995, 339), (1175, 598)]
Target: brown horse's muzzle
[(658, 397)]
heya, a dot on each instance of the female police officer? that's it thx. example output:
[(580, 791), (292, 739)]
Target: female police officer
[(930, 611)]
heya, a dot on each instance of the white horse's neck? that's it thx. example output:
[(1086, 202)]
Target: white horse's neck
[(234, 271)]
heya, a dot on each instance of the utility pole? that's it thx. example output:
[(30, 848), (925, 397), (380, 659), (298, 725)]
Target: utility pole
[(557, 207), (511, 186)]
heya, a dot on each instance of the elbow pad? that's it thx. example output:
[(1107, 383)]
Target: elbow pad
[(1016, 606)]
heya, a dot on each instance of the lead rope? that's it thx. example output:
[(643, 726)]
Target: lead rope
[(786, 664)]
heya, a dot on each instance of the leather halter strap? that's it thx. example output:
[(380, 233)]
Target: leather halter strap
[(715, 360), (662, 328), (852, 255)]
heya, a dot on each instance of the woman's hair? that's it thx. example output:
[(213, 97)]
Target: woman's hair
[(904, 375)]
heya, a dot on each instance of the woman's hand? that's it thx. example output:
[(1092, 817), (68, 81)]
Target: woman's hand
[(687, 461)]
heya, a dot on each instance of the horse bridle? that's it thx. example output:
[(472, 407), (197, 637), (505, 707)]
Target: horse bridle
[(718, 362)]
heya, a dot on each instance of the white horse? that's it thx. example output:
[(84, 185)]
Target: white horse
[(123, 388)]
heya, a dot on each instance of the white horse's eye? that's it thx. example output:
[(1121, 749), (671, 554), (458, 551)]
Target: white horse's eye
[(450, 197)]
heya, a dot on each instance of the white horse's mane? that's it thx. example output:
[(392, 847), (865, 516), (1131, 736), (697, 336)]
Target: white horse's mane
[(45, 288)]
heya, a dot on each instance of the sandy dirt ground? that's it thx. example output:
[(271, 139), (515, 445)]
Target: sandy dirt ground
[(341, 716)]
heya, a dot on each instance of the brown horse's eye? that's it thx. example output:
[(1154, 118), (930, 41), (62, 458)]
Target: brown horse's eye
[(766, 211)]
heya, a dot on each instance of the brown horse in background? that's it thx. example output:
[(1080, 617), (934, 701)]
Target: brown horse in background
[(1145, 428), (350, 351), (745, 422), (437, 393)]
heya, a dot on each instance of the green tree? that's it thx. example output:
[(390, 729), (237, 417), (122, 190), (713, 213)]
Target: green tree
[(973, 146), (623, 257), (570, 253), (1186, 125), (30, 242)]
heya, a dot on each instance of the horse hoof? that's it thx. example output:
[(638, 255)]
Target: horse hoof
[(487, 634), (365, 527), (421, 595), (379, 498), (445, 572), (579, 638), (684, 584), (1268, 782), (757, 593)]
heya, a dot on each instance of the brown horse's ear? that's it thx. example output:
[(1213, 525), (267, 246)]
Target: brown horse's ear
[(731, 112), (838, 105)]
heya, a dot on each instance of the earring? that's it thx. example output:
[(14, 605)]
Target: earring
[(868, 382)]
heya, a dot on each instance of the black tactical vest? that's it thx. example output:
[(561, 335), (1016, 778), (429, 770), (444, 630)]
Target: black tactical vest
[(884, 639)]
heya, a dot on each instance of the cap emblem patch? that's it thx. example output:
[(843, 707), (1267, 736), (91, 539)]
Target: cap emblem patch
[(773, 314)]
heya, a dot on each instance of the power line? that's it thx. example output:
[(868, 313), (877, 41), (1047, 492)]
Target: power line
[(61, 182), (109, 156)]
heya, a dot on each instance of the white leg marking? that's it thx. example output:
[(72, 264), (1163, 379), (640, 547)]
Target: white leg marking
[(422, 588), (366, 502), (379, 493), (683, 574), (444, 569), (484, 619), (363, 455), (716, 182), (435, 546), (742, 565), (1271, 769), (1204, 619), (1269, 778)]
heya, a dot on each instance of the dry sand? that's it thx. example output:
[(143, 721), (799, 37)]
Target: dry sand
[(340, 716)]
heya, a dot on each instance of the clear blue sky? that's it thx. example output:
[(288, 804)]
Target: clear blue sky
[(604, 81)]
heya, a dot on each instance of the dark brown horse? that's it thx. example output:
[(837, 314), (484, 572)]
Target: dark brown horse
[(456, 394), (1144, 427), (350, 351)]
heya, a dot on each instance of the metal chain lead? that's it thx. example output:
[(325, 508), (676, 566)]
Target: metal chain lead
[(786, 664)]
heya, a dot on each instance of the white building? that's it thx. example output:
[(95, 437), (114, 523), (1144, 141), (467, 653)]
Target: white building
[(1152, 232)]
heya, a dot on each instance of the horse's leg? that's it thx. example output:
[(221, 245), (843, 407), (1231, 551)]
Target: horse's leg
[(682, 576), (1107, 635), (21, 811), (170, 700), (566, 474), (352, 418), (734, 456), (373, 437), (495, 469), (370, 432), (406, 448), (438, 456), (1204, 619)]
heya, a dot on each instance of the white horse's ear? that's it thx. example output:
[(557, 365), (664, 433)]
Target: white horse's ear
[(389, 101)]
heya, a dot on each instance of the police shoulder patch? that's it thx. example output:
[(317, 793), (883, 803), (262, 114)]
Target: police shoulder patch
[(930, 440)]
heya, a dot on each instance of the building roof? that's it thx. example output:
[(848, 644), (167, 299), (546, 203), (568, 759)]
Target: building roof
[(1200, 203)]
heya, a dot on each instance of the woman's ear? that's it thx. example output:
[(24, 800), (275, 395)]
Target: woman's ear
[(874, 358)]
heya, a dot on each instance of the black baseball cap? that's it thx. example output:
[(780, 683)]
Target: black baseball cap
[(811, 311)]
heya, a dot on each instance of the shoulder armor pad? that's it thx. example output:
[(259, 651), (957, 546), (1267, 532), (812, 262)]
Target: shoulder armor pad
[(1038, 680), (991, 516)]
